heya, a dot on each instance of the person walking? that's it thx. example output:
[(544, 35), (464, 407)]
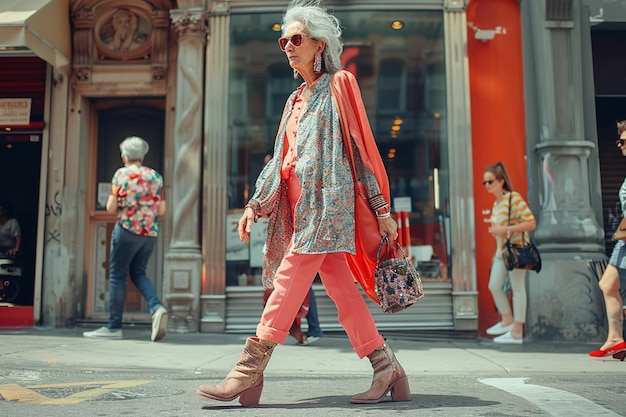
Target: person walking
[(614, 344), (510, 218), (136, 199), (314, 331), (307, 190)]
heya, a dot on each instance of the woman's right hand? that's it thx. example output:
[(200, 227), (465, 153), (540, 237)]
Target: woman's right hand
[(245, 224), (387, 226)]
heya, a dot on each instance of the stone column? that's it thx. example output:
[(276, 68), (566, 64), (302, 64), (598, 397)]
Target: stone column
[(564, 300), (183, 260), (464, 293), (215, 169)]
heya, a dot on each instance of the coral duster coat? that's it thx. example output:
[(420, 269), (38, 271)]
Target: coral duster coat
[(324, 217)]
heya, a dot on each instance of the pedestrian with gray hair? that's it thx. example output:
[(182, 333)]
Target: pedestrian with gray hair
[(307, 191), (136, 197)]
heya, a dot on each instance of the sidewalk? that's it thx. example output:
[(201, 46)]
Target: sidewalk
[(215, 354)]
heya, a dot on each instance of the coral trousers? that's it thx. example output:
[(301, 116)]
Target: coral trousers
[(292, 282)]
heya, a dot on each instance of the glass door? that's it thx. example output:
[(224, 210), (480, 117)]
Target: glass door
[(116, 120)]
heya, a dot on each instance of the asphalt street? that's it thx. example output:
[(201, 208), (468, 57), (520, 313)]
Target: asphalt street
[(57, 372)]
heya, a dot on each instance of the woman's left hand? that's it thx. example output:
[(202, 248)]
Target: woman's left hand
[(498, 231), (388, 227)]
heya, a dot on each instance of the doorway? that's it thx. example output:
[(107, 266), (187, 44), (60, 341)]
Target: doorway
[(20, 164), (116, 119)]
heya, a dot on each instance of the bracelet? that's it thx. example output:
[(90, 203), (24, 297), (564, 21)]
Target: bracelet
[(383, 210), (377, 202), (383, 216)]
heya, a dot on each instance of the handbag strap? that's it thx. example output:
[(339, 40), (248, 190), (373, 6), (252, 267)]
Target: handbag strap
[(509, 220), (385, 242)]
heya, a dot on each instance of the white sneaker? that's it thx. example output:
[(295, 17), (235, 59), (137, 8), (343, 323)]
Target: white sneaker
[(310, 340), (506, 338), (103, 333), (498, 329), (159, 324)]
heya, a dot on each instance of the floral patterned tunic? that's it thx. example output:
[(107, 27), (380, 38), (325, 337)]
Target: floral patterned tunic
[(140, 196)]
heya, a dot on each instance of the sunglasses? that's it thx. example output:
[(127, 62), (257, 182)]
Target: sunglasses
[(296, 40), (620, 142), (488, 182)]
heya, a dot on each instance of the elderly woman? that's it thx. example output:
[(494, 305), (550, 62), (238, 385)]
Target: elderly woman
[(614, 344), (307, 190), (136, 199)]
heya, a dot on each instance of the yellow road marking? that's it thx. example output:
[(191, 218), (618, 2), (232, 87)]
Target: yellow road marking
[(15, 392)]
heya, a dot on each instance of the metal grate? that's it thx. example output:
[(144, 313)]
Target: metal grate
[(561, 10)]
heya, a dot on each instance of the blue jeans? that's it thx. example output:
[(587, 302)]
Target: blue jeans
[(129, 252), (312, 318)]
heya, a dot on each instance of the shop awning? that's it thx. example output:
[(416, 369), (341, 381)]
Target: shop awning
[(39, 26)]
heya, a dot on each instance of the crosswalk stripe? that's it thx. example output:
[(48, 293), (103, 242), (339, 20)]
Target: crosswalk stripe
[(554, 401), (92, 390)]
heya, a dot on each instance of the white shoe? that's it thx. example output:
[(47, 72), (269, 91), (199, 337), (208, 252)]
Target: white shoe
[(498, 329), (310, 340), (159, 324), (104, 333), (506, 338)]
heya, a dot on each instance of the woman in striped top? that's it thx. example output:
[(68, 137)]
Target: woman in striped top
[(510, 328)]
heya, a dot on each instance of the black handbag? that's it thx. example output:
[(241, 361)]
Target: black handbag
[(396, 281), (521, 256)]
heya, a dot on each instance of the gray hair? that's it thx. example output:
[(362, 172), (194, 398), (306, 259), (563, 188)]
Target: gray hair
[(134, 148), (320, 25)]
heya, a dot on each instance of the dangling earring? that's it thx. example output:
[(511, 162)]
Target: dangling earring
[(295, 74), (317, 63)]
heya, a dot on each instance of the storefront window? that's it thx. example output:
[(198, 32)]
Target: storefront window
[(400, 69)]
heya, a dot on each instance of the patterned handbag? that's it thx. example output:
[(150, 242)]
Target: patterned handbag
[(396, 281)]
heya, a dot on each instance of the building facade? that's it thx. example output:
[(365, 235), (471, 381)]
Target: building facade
[(450, 86)]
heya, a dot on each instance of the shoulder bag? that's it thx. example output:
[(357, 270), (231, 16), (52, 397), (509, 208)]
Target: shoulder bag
[(367, 235), (520, 256)]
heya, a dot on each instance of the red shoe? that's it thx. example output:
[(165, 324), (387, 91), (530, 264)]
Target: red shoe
[(620, 347)]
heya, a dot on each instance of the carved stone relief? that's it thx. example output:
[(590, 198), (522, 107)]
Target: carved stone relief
[(123, 34), (114, 33)]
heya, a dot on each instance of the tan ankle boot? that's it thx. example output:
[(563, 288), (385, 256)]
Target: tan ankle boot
[(388, 376), (246, 379)]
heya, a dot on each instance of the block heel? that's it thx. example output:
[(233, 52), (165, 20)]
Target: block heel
[(620, 355), (251, 396), (400, 390)]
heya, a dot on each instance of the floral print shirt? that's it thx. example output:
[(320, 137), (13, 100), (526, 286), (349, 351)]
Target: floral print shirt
[(139, 195)]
